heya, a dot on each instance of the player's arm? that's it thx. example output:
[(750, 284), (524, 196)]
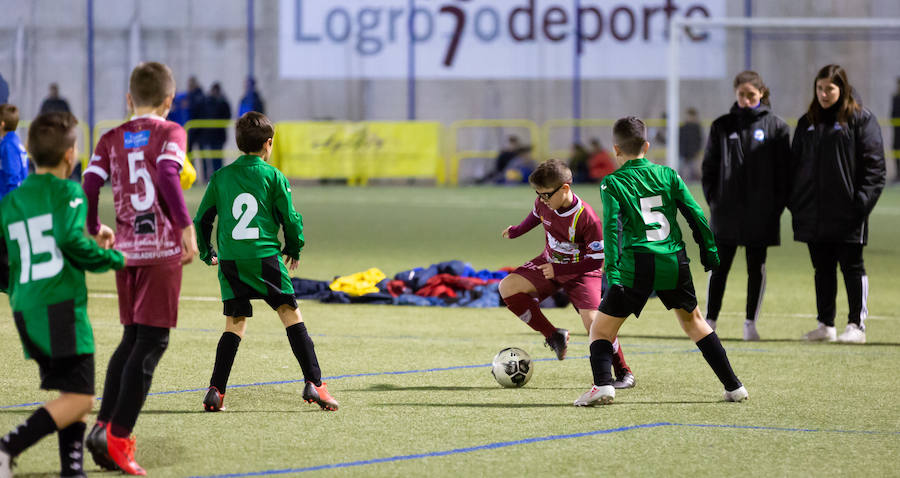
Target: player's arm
[(527, 224), (169, 165), (7, 167), (95, 175), (4, 261), (610, 233), (782, 153), (203, 221), (291, 220), (68, 230), (712, 162), (693, 214), (871, 171), (589, 232)]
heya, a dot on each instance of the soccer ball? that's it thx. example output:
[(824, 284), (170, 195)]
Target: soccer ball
[(512, 367)]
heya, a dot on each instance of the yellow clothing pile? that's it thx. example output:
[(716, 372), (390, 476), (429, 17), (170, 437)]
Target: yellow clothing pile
[(360, 283)]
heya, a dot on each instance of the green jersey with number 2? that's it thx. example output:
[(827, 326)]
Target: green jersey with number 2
[(640, 205)]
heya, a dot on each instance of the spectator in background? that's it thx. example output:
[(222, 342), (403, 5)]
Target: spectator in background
[(895, 116), (601, 163), (837, 173), (513, 145), (196, 110), (745, 171), (13, 159), (53, 102), (180, 112), (213, 139), (578, 163), (251, 100), (690, 142), (4, 90)]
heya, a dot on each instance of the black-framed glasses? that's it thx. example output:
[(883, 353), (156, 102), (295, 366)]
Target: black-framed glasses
[(547, 196)]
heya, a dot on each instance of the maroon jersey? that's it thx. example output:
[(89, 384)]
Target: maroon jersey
[(129, 157)]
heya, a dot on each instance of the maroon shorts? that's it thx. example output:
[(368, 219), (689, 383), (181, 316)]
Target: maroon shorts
[(583, 289), (148, 295)]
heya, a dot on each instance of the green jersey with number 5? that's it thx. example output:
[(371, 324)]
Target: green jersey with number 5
[(640, 205), (42, 229), (252, 200)]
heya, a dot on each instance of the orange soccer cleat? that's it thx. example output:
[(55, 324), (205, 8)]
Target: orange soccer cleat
[(320, 395)]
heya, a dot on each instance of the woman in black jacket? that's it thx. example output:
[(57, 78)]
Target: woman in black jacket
[(837, 174), (745, 183)]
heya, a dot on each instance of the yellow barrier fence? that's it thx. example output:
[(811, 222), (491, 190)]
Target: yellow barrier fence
[(455, 156)]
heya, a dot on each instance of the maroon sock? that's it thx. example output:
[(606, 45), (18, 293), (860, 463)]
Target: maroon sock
[(618, 360), (528, 309)]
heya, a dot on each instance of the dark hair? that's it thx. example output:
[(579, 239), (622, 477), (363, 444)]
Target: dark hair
[(752, 77), (630, 134), (150, 84), (252, 131), (550, 174), (9, 115), (50, 135), (846, 104)]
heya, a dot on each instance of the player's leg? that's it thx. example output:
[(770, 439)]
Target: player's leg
[(519, 291), (315, 390), (856, 282), (69, 412), (226, 350), (708, 342), (604, 330), (824, 260), (756, 288), (621, 370), (715, 287)]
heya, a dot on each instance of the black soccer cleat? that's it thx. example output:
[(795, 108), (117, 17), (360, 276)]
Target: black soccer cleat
[(96, 444), (213, 400), (559, 343)]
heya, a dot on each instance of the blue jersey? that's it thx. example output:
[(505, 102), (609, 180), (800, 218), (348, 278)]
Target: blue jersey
[(13, 163)]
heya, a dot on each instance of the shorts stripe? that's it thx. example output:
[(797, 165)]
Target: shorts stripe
[(238, 288), (61, 318), (271, 274), (30, 348)]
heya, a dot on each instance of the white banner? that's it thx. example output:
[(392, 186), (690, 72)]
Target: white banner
[(523, 39)]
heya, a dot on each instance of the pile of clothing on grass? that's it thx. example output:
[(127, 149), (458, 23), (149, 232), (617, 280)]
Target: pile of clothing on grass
[(445, 284)]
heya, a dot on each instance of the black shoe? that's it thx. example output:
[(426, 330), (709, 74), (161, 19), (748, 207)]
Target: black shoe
[(213, 401), (559, 342), (96, 444)]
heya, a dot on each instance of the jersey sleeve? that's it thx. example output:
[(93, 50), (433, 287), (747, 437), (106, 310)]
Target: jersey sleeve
[(693, 214), (8, 169), (610, 232), (527, 224), (99, 163), (290, 219), (68, 230), (174, 146), (203, 221)]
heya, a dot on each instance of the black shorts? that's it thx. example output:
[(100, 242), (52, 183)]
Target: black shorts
[(621, 301), (240, 307), (73, 374)]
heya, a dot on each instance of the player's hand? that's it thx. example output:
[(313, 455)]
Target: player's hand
[(506, 232), (291, 263), (188, 244), (105, 237), (214, 261), (547, 269)]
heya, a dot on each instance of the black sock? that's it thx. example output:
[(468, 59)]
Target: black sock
[(113, 380), (601, 361), (302, 346), (137, 376), (715, 356), (225, 353), (71, 449), (37, 426)]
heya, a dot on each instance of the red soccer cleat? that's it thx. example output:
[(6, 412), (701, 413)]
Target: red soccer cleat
[(121, 450), (320, 395)]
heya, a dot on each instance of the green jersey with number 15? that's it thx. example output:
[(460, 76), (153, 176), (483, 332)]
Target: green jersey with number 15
[(252, 200), (640, 205), (42, 233)]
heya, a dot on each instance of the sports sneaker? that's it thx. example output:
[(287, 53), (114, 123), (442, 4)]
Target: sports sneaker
[(712, 324), (750, 333), (603, 395), (822, 333), (738, 395), (853, 334), (96, 444), (121, 450), (320, 395), (213, 400), (6, 463), (627, 381), (559, 342)]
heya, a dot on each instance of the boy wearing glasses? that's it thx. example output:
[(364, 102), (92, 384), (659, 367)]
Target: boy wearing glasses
[(572, 260)]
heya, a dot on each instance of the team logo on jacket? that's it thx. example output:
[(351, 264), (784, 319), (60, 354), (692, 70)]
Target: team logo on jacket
[(759, 135)]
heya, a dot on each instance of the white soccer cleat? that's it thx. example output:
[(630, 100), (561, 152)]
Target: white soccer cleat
[(822, 333), (627, 381), (738, 395), (712, 324), (5, 463), (750, 333), (853, 334), (602, 395)]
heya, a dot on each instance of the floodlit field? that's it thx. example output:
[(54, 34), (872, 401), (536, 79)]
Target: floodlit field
[(416, 395)]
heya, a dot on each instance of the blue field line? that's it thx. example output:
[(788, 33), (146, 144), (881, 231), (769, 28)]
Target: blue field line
[(504, 444), (455, 451)]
